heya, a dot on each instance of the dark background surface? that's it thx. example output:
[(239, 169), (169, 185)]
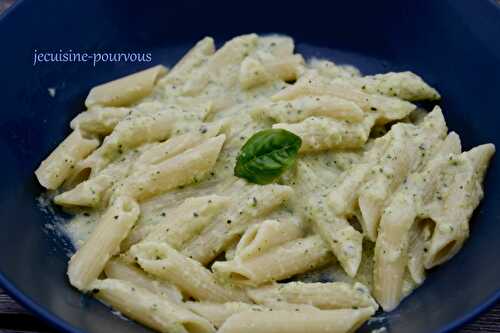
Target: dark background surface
[(14, 318)]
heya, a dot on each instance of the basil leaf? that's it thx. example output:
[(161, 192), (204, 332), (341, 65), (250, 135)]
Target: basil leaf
[(266, 155)]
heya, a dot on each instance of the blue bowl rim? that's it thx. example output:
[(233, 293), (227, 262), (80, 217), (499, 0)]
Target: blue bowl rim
[(39, 311), (61, 325)]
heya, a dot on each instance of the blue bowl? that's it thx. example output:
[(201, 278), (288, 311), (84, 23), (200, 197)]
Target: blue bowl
[(453, 44)]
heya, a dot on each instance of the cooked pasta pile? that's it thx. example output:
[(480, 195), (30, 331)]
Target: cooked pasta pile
[(348, 191)]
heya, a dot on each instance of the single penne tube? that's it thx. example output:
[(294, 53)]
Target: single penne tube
[(168, 149), (286, 68), (345, 194), (131, 132), (345, 241), (266, 235), (390, 258), (87, 193), (164, 262), (343, 197), (305, 320), (90, 192), (185, 168), (392, 169), (330, 295), (266, 68), (178, 144), (217, 313), (148, 308), (183, 223), (277, 45), (312, 84), (391, 250), (100, 120), (192, 60), (126, 90), (479, 158), (253, 73), (232, 52), (458, 202), (278, 263), (331, 70), (299, 109), (419, 233), (250, 203), (89, 261), (119, 269), (429, 134), (323, 133), (156, 209), (405, 85), (222, 66), (58, 166)]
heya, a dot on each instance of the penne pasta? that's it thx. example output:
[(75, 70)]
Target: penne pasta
[(89, 261), (176, 145), (100, 120), (222, 66), (391, 250), (164, 262), (277, 45), (281, 262), (312, 84), (340, 236), (266, 235), (321, 133), (217, 313), (405, 85), (287, 68), (333, 295), (121, 270), (299, 109), (129, 134), (418, 235), (188, 220), (331, 70), (252, 203), (149, 309), (126, 90), (58, 166), (185, 168), (91, 192), (311, 321), (252, 73), (197, 56), (456, 207), (250, 190)]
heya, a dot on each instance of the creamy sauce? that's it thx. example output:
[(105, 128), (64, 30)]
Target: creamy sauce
[(225, 101), (364, 159)]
